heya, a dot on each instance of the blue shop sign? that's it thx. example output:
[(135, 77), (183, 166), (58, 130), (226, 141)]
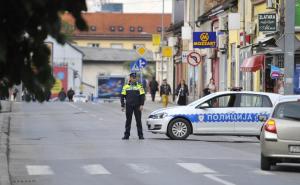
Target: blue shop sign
[(204, 40)]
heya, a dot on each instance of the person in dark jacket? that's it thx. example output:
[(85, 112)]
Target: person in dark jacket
[(70, 94), (132, 101), (165, 91), (153, 85), (62, 95), (182, 92)]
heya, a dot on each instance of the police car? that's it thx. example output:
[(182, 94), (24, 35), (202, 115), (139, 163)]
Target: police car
[(224, 113)]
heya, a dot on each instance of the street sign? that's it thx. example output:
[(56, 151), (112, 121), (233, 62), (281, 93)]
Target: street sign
[(184, 56), (167, 51), (204, 40), (194, 58), (141, 51), (155, 39), (134, 67), (267, 22), (141, 63)]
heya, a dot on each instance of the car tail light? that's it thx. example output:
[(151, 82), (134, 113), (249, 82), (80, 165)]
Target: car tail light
[(270, 133), (270, 126)]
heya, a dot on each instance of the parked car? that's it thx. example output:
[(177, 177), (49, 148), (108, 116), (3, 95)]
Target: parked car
[(80, 98), (223, 113), (280, 137)]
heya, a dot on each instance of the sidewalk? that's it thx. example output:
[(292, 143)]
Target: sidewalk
[(4, 133)]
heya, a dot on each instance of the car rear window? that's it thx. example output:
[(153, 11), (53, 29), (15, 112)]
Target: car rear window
[(287, 110)]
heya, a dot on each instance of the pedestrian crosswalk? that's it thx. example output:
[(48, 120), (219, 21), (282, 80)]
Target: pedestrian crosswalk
[(139, 168)]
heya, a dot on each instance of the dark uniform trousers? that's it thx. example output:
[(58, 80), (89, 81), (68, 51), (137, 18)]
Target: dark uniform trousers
[(130, 109)]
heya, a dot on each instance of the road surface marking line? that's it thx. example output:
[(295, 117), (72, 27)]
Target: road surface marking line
[(196, 168), (96, 169), (72, 105), (39, 170), (260, 172), (140, 168), (217, 179)]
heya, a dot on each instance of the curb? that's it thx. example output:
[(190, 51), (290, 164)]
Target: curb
[(4, 141)]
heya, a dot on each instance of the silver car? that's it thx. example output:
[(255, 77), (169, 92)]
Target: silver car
[(280, 136)]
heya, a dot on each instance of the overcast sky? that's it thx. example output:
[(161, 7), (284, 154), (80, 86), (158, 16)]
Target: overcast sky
[(135, 6)]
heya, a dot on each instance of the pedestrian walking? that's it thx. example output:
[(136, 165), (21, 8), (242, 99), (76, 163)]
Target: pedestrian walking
[(62, 95), (70, 94), (165, 91), (182, 92), (132, 101), (153, 85), (211, 86)]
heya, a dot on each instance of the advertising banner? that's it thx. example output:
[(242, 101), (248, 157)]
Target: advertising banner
[(60, 74), (297, 79), (204, 40), (110, 87), (267, 22)]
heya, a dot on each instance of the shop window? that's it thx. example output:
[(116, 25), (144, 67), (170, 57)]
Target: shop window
[(117, 45), (233, 65), (93, 45)]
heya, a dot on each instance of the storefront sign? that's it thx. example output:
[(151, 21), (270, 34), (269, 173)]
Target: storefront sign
[(266, 22), (204, 39)]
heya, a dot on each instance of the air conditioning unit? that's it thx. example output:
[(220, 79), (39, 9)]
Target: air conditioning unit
[(250, 28), (223, 23)]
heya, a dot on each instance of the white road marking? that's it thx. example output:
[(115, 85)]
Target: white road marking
[(72, 105), (96, 169), (141, 168), (260, 172), (39, 170), (196, 168), (217, 179)]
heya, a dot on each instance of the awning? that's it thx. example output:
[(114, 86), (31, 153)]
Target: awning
[(253, 63)]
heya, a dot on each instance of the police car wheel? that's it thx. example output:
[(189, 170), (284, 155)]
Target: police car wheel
[(179, 129)]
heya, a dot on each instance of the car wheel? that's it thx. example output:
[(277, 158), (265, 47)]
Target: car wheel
[(168, 135), (265, 163), (179, 129)]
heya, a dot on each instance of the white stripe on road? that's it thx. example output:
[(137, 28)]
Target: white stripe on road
[(141, 168), (260, 172), (196, 168), (96, 169), (39, 170), (217, 179)]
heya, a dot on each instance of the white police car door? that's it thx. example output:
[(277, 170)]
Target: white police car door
[(250, 106), (214, 115)]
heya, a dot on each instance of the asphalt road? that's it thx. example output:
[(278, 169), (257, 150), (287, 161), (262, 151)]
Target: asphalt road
[(80, 144)]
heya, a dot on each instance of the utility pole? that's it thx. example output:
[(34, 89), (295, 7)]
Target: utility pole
[(162, 40), (289, 46)]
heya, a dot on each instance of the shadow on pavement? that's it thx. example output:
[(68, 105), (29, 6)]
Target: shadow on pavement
[(205, 140)]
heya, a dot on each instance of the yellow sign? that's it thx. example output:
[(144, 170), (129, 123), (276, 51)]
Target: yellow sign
[(141, 51), (56, 87), (167, 51), (155, 39)]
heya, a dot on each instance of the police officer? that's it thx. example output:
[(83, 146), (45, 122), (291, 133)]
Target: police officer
[(134, 95)]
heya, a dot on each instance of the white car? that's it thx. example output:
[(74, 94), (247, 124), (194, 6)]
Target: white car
[(80, 98), (224, 113)]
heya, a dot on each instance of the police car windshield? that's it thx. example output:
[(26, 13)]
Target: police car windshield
[(196, 103)]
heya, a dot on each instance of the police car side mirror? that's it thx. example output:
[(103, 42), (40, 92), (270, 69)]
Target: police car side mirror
[(262, 118), (203, 106)]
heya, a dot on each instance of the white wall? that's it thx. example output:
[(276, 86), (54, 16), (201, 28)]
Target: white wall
[(68, 55), (92, 70)]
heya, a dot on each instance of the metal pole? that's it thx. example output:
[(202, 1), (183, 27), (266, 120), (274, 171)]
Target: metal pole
[(194, 84), (289, 46), (162, 39)]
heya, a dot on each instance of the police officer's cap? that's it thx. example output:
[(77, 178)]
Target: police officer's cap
[(133, 75)]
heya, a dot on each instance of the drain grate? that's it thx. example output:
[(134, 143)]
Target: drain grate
[(21, 181)]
